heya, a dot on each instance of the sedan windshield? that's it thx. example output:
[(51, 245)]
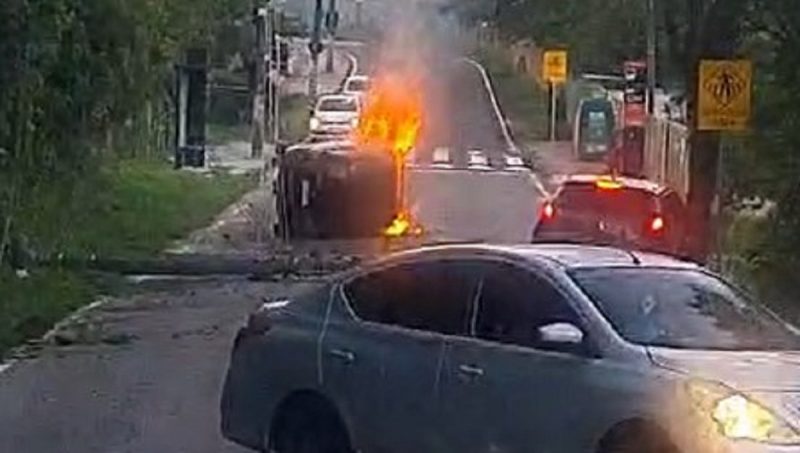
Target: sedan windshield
[(357, 85), (682, 309)]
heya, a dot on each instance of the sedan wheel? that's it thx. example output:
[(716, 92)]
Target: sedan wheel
[(312, 434)]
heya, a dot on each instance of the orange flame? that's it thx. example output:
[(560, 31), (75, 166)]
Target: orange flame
[(403, 225), (392, 116)]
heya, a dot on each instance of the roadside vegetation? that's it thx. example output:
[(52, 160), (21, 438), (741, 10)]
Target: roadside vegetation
[(762, 165), (294, 126), (524, 103), (85, 127), (131, 209)]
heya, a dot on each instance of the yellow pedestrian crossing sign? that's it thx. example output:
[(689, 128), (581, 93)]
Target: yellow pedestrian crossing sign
[(724, 95), (555, 66)]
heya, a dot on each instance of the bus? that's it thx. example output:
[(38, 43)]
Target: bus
[(594, 125)]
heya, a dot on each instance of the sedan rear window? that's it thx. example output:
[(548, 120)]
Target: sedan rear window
[(629, 205), (682, 309)]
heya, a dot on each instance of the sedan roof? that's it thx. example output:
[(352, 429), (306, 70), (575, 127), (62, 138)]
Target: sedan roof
[(570, 256)]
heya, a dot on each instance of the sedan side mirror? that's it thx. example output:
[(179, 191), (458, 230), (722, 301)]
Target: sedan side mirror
[(561, 333)]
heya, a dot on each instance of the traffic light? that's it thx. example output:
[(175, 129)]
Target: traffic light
[(316, 47), (332, 20)]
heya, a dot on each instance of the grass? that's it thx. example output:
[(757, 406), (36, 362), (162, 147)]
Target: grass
[(30, 306), (523, 103), (766, 272), (128, 209), (294, 126), (219, 134)]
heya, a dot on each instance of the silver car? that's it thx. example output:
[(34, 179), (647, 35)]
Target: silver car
[(543, 348)]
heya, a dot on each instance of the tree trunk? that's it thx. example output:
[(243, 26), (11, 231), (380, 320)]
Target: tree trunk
[(6, 240)]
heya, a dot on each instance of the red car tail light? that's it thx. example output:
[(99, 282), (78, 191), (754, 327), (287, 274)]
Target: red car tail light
[(657, 224), (548, 211)]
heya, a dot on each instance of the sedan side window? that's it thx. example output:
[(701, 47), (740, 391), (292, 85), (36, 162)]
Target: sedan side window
[(432, 296), (514, 304)]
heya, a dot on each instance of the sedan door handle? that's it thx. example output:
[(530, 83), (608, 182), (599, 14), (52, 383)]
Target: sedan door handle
[(470, 371), (343, 355)]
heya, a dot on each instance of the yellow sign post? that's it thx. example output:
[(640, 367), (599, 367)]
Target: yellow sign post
[(555, 66), (724, 95), (555, 69)]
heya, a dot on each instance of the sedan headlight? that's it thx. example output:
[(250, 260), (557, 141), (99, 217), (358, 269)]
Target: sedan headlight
[(739, 417), (314, 123)]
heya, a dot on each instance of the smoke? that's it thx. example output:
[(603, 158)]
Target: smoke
[(409, 66), (416, 35)]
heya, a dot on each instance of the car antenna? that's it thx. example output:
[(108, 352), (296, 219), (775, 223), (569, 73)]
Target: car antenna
[(624, 248), (633, 256)]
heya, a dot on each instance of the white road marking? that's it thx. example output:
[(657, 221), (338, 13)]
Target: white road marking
[(487, 82), (353, 64), (442, 166)]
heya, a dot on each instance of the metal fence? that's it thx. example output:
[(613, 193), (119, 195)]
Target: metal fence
[(666, 154)]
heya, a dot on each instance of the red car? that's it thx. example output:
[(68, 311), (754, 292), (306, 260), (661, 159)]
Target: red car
[(604, 210)]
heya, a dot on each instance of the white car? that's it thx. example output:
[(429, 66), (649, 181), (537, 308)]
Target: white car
[(477, 160), (335, 114), (441, 157), (356, 85), (514, 163)]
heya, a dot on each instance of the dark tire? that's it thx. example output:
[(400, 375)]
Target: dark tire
[(311, 427), (637, 437)]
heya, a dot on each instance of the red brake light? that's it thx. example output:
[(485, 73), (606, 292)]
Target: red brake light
[(548, 211), (657, 224)]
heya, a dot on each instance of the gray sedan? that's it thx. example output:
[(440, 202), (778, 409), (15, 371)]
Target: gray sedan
[(544, 348)]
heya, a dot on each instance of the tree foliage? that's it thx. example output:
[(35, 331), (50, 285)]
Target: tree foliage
[(764, 163), (74, 72)]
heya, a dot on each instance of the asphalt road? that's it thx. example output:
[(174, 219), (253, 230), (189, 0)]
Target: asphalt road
[(155, 391), (459, 202), (155, 388)]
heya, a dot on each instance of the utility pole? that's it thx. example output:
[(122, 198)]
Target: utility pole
[(315, 47), (651, 56), (331, 23), (274, 73), (276, 101), (257, 133), (359, 13), (711, 34)]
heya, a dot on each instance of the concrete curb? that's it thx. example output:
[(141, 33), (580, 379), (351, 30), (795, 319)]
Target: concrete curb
[(50, 334)]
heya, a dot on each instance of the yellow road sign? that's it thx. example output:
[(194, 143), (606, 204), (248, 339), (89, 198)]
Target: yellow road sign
[(555, 66), (724, 95)]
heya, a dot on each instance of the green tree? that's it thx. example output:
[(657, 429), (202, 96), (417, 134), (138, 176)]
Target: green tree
[(75, 75)]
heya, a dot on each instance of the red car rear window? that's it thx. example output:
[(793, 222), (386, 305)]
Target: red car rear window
[(624, 204)]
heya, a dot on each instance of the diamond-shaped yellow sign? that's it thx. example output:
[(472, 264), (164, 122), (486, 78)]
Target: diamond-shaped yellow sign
[(724, 95)]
